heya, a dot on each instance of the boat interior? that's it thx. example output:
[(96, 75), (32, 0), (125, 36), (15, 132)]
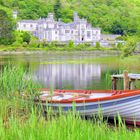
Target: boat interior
[(67, 95)]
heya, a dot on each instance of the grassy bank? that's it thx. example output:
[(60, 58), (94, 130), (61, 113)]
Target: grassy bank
[(54, 46), (63, 128), (20, 119), (129, 63)]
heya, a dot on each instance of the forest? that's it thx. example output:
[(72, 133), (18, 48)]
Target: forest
[(113, 16)]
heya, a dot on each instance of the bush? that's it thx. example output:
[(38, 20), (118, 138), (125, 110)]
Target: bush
[(52, 46), (129, 47), (26, 37), (16, 44), (43, 44), (34, 44), (120, 46), (70, 44), (24, 44), (98, 46)]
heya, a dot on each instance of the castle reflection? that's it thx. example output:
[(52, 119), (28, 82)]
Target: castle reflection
[(75, 76)]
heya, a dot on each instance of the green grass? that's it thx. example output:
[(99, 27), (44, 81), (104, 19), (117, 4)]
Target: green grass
[(15, 80), (62, 128), (54, 48), (22, 120)]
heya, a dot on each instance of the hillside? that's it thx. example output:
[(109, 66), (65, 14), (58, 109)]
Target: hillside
[(113, 16)]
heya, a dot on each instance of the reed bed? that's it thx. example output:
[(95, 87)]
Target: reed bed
[(16, 80), (63, 128), (22, 120)]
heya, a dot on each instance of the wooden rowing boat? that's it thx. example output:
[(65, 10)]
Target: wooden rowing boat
[(126, 103)]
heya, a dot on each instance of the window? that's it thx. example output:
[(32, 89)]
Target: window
[(31, 25), (83, 32), (72, 32), (24, 25), (88, 34), (67, 31), (55, 32), (83, 27)]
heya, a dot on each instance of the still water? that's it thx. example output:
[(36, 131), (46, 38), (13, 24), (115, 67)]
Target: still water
[(55, 70)]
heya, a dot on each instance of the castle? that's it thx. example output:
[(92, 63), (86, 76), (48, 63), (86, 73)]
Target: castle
[(47, 29)]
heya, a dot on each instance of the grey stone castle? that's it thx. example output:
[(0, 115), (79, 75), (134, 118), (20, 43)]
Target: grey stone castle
[(47, 29)]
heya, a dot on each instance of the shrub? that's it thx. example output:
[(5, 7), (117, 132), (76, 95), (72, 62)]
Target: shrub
[(129, 47), (26, 37), (24, 44), (98, 46), (34, 44)]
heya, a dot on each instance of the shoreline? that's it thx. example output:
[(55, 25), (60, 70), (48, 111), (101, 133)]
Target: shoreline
[(27, 52)]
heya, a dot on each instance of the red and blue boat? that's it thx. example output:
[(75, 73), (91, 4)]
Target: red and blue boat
[(111, 103)]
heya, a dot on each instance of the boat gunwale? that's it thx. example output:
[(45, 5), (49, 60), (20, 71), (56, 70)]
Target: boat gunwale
[(116, 94)]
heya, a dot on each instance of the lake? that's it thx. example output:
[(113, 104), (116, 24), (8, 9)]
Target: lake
[(66, 70)]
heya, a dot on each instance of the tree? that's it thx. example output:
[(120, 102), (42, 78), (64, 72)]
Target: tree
[(120, 46), (57, 9), (129, 47), (6, 28), (26, 37), (117, 28)]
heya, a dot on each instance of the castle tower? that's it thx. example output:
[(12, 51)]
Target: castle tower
[(75, 16), (51, 16), (15, 13)]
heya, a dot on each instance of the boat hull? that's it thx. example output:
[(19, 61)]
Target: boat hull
[(128, 108)]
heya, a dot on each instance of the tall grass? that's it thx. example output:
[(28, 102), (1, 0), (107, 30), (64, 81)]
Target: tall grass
[(21, 120), (15, 80), (14, 83), (63, 128)]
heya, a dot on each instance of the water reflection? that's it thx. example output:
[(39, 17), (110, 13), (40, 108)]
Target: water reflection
[(63, 76), (74, 76)]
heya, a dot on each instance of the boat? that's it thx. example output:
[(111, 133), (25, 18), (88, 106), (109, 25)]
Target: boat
[(111, 103)]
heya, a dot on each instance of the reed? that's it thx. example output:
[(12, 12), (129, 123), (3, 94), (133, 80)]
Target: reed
[(16, 81), (63, 128)]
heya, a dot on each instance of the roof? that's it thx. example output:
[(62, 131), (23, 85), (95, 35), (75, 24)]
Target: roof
[(29, 21)]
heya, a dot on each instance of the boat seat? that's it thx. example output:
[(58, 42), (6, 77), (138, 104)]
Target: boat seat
[(117, 92)]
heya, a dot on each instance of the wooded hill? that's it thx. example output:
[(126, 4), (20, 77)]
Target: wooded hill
[(113, 16)]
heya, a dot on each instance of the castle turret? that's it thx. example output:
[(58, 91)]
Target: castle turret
[(51, 16), (75, 16)]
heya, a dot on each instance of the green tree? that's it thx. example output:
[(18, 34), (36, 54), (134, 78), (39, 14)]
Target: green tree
[(130, 46), (6, 28), (121, 20), (57, 9), (26, 37), (120, 46), (117, 28)]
